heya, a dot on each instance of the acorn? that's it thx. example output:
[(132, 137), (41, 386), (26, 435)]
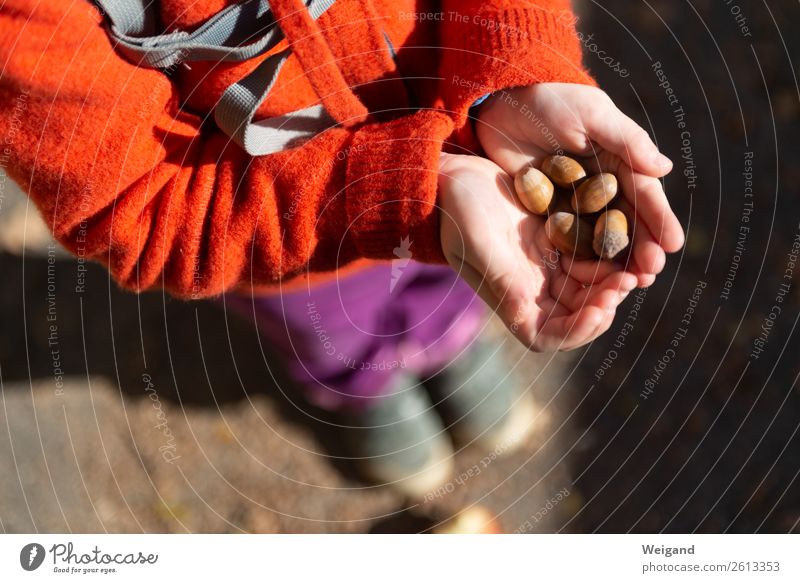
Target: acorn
[(610, 234), (595, 193), (563, 170), (570, 234), (534, 190)]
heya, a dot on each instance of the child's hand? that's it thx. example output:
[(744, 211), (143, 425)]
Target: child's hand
[(502, 252), (522, 126)]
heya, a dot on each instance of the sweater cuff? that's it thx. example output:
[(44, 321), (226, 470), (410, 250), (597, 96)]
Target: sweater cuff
[(392, 177), (499, 49)]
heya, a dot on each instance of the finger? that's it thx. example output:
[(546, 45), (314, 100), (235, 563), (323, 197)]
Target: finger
[(569, 332), (646, 195), (646, 255), (603, 327), (615, 132), (607, 294), (646, 280), (510, 154), (608, 319), (605, 324), (589, 270)]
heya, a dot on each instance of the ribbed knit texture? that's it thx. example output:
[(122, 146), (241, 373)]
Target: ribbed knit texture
[(497, 44), (391, 191), (127, 170)]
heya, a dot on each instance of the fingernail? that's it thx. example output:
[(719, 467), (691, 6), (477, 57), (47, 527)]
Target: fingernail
[(661, 160)]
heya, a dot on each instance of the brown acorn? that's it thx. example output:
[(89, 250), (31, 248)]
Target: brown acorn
[(610, 234), (594, 193), (534, 190), (570, 234), (563, 170)]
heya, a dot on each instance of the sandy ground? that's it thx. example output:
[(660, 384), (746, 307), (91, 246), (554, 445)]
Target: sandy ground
[(141, 413)]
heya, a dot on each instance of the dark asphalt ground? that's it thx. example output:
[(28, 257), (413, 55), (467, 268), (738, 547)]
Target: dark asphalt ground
[(669, 424)]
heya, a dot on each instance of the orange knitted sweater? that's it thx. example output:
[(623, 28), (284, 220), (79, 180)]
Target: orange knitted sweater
[(128, 169)]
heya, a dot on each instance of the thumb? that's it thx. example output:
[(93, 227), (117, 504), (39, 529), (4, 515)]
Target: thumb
[(613, 131)]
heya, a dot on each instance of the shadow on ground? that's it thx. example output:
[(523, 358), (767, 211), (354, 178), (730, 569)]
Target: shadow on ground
[(144, 413)]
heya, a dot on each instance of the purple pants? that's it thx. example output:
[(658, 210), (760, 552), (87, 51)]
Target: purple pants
[(344, 341)]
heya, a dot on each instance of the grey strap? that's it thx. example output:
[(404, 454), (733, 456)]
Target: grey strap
[(131, 18), (238, 105), (237, 33)]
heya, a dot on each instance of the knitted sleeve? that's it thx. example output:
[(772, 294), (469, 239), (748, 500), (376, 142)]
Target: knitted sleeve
[(162, 198), (489, 45)]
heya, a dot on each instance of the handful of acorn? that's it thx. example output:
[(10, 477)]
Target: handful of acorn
[(580, 222)]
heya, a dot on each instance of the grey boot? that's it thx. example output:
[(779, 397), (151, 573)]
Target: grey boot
[(482, 401), (400, 440)]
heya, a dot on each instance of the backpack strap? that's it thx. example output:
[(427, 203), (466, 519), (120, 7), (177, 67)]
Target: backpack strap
[(220, 38), (238, 33), (237, 107)]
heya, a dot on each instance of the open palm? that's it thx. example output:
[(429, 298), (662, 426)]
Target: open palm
[(583, 121), (503, 253)]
